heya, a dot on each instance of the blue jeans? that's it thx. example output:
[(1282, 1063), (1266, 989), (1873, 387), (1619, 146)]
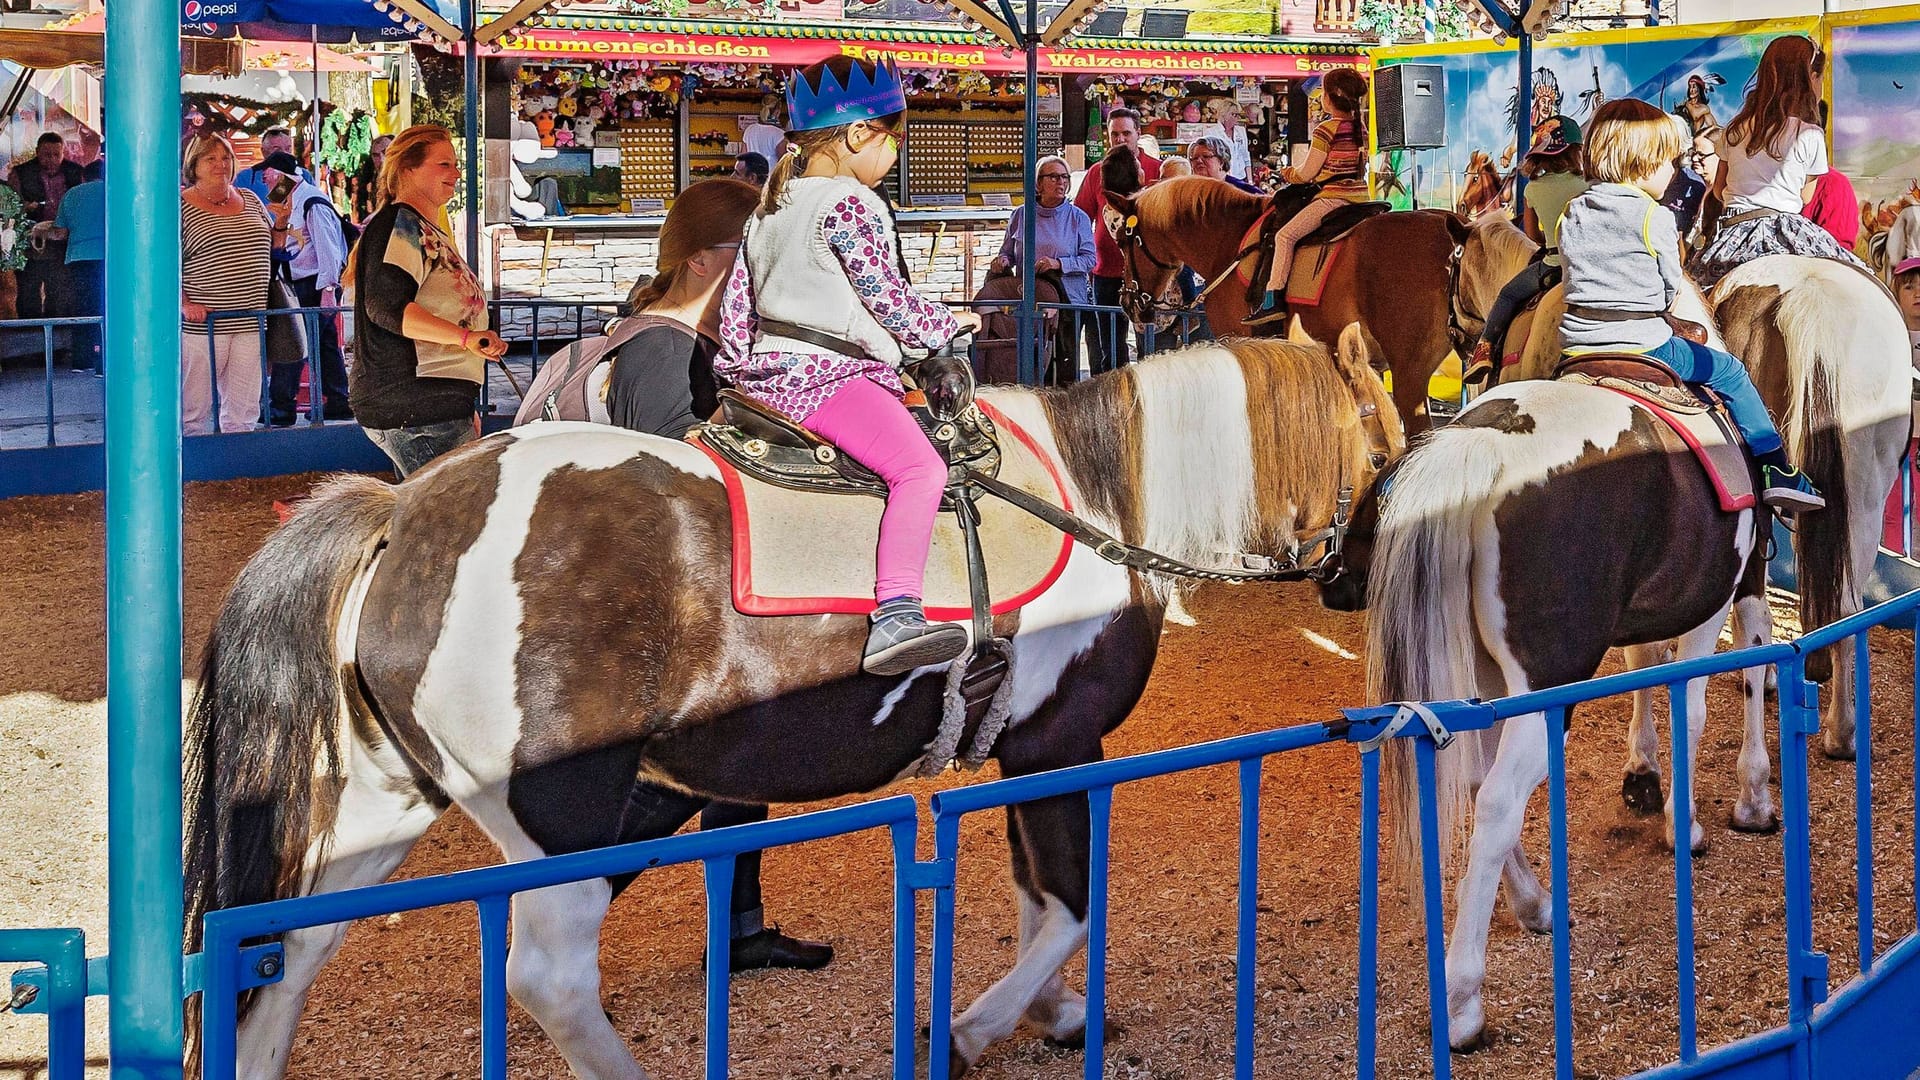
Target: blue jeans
[(412, 447), (1727, 377)]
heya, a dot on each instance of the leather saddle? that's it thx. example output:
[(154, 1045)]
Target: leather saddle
[(1639, 375), (765, 443), (1287, 203)]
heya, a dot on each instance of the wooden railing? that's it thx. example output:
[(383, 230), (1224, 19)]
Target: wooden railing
[(1336, 15)]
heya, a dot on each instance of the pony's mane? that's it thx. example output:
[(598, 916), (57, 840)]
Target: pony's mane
[(1212, 448), (1503, 241), (1189, 203)]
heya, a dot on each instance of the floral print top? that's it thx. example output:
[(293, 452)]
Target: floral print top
[(799, 383)]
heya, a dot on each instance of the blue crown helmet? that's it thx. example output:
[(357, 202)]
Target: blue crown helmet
[(862, 98)]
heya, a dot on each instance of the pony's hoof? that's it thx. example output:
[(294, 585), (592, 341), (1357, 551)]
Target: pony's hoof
[(1757, 822), (1075, 1041), (957, 1063), (1836, 751), (1641, 792)]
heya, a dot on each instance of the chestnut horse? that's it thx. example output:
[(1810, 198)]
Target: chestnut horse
[(1392, 278), (539, 625)]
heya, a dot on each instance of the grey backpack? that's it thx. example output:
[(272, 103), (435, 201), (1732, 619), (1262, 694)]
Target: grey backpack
[(572, 385)]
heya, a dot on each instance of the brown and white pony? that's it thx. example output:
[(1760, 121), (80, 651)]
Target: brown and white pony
[(1474, 590), (1391, 279), (539, 625), (1829, 354), (1510, 550)]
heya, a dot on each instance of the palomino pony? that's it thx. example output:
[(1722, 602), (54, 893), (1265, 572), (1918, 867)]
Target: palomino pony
[(1391, 279), (538, 623), (1510, 550)]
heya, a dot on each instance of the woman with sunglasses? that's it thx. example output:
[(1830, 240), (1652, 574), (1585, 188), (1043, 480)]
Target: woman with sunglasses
[(1062, 233), (816, 318)]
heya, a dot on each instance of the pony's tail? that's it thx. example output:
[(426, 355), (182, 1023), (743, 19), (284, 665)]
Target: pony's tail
[(1818, 336), (1421, 637), (1823, 555), (267, 721)]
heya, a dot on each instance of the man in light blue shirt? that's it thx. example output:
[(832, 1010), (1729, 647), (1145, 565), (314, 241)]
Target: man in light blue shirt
[(82, 222)]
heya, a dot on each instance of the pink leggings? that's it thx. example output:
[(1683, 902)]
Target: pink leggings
[(870, 426)]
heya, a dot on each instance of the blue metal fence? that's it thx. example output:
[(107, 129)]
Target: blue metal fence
[(1813, 1033)]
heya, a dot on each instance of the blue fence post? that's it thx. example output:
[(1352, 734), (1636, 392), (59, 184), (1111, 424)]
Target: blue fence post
[(1799, 719), (1681, 799), (143, 563), (946, 849), (719, 873), (1863, 795), (1434, 906), (905, 836), (1367, 1008), (1244, 969), (46, 353), (1558, 883), (1099, 842), (494, 912), (219, 1004)]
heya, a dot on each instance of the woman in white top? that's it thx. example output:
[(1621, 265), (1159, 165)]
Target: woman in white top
[(1770, 155)]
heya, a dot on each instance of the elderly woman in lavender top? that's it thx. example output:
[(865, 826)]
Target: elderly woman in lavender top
[(1062, 233)]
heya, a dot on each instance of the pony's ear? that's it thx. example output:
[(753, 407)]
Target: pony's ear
[(1123, 203), (1353, 357)]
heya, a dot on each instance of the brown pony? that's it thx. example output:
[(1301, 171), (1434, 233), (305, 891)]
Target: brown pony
[(1391, 280), (540, 628)]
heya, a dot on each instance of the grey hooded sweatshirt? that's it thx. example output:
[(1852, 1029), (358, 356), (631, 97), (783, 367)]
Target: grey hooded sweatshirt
[(1622, 254)]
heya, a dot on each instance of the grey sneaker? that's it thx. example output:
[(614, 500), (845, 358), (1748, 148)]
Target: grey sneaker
[(901, 639), (1789, 491)]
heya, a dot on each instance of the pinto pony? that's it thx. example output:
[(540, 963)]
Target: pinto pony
[(1512, 549), (540, 628), (1391, 279)]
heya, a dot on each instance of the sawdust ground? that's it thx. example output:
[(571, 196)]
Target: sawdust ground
[(402, 998)]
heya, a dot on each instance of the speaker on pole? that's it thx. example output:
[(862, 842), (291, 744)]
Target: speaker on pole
[(1410, 106)]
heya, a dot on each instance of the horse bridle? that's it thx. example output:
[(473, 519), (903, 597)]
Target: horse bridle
[(1129, 239)]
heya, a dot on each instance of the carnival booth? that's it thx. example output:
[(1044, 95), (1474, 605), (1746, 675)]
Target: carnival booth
[(620, 114)]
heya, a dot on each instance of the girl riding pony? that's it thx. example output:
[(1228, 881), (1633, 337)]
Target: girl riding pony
[(1771, 153), (1337, 161), (814, 319)]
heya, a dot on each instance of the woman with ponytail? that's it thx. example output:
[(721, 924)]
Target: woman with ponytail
[(662, 378), (815, 319)]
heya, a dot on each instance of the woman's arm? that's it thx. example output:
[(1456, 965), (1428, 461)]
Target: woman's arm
[(1084, 253), (1007, 242), (1719, 188), (420, 324), (1531, 223)]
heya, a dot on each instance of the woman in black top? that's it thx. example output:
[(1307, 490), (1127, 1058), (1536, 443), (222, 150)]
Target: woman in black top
[(420, 339), (662, 380)]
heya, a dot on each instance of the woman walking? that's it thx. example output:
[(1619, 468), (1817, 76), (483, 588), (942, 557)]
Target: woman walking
[(420, 337), (226, 259)]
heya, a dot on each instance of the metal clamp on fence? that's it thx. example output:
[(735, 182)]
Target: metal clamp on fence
[(1403, 715)]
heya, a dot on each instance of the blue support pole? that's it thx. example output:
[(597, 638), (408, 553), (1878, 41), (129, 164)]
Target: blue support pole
[(142, 107), (1680, 711), (1244, 961), (1559, 881), (1029, 343), (1368, 1036), (1523, 120)]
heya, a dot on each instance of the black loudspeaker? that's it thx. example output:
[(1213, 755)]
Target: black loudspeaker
[(1107, 24), (1410, 106), (1159, 23)]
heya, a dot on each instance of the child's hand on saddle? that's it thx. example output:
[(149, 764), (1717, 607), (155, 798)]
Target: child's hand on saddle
[(969, 322)]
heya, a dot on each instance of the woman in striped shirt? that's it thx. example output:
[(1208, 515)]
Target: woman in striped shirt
[(226, 258)]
